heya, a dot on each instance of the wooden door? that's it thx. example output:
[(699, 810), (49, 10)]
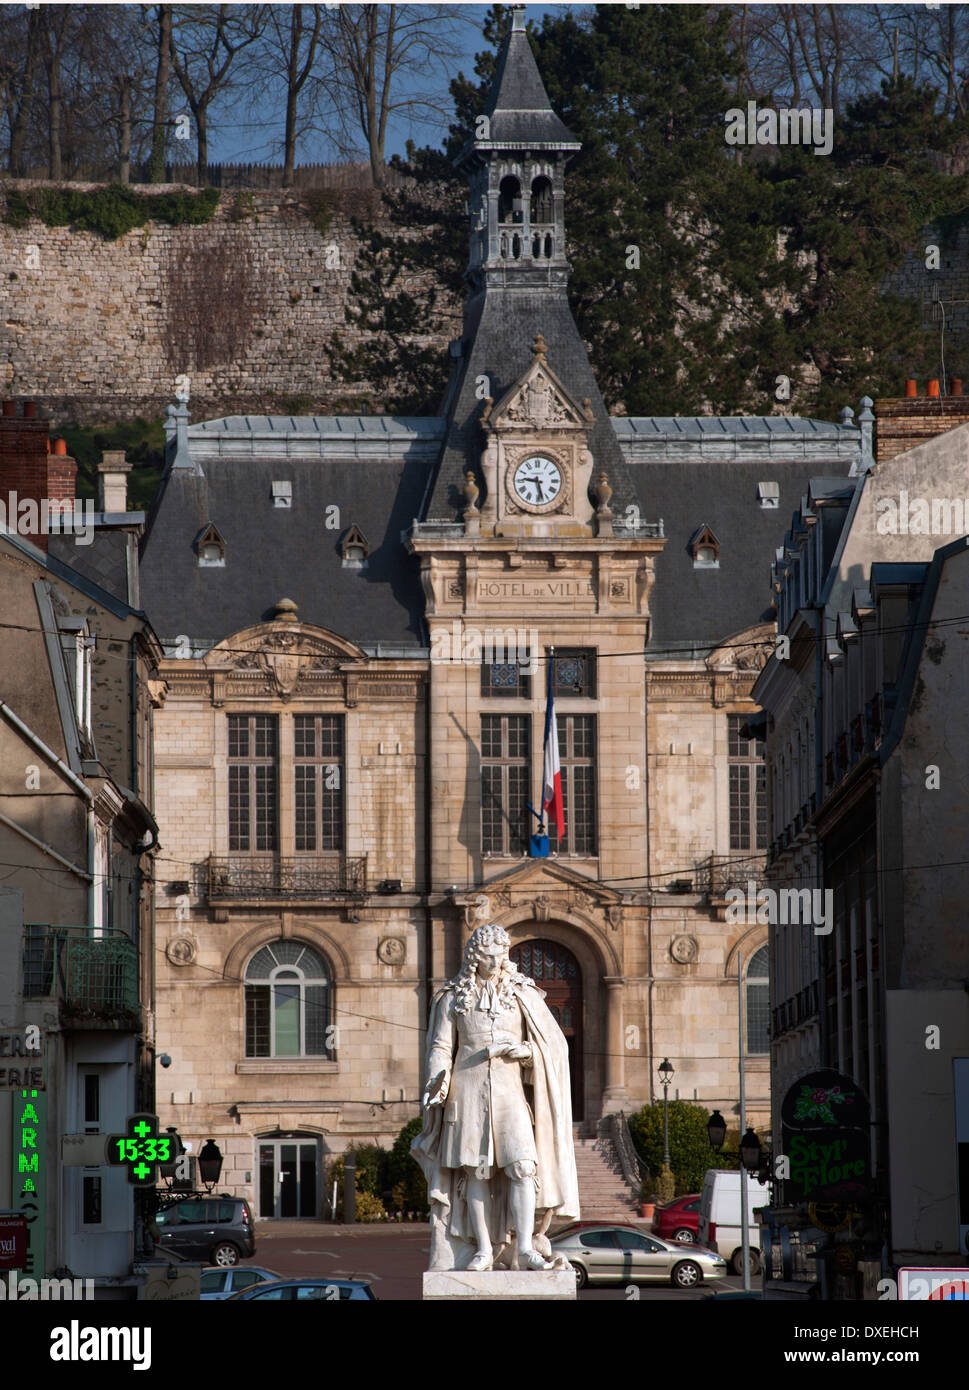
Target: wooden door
[(556, 972)]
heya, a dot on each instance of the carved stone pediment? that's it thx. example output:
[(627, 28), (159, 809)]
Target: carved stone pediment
[(538, 401), (545, 888), (747, 650), (284, 653)]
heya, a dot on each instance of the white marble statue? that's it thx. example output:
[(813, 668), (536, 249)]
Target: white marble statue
[(496, 1146)]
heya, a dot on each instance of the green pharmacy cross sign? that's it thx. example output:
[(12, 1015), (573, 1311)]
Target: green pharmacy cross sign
[(140, 1150)]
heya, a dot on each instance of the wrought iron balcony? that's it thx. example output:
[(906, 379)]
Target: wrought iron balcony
[(94, 977), (718, 872), (307, 878)]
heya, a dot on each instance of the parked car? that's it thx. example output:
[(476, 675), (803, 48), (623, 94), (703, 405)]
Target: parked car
[(678, 1220), (215, 1229), (606, 1252), (219, 1283), (719, 1223), (307, 1291)]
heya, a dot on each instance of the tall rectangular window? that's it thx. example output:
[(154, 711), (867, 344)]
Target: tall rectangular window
[(504, 782), (748, 787), (253, 782), (319, 787), (577, 744)]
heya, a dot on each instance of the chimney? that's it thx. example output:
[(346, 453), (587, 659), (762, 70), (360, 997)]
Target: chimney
[(30, 472), (902, 422), (113, 473)]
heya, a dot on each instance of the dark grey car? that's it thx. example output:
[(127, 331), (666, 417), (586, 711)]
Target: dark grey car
[(217, 1230)]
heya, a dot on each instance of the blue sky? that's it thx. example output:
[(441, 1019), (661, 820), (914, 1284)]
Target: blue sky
[(247, 136)]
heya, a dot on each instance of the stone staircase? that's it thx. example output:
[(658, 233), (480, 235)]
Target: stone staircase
[(604, 1195)]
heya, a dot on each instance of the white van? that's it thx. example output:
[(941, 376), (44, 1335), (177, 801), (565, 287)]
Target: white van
[(719, 1222)]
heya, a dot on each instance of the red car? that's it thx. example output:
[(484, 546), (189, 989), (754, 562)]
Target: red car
[(679, 1219)]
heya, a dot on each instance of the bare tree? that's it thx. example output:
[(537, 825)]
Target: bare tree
[(371, 48), (159, 130), (285, 66), (206, 41), (19, 60)]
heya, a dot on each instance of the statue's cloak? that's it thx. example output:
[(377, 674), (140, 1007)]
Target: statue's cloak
[(452, 1244)]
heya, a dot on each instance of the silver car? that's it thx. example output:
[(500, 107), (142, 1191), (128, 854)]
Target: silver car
[(218, 1284), (601, 1253)]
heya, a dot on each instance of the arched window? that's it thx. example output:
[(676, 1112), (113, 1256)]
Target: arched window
[(509, 200), (288, 1002), (542, 207), (758, 1002)]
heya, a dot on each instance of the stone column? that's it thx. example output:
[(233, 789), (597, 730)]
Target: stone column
[(614, 1093)]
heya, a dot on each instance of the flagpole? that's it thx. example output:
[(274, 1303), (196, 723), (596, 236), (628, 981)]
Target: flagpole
[(548, 691)]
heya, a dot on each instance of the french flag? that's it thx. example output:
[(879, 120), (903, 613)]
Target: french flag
[(552, 787)]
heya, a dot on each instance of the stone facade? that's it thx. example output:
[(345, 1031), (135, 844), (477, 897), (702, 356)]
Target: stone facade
[(89, 321), (211, 921)]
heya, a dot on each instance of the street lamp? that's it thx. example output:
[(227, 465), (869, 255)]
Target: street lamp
[(666, 1177), (750, 1151), (210, 1164), (716, 1130)]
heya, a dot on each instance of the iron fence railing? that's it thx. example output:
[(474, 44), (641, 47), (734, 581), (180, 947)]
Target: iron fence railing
[(718, 872), (282, 877), (93, 973), (614, 1130)]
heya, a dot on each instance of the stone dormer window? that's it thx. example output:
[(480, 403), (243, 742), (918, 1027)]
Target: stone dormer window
[(705, 549), (354, 549), (211, 548), (282, 493), (769, 495)]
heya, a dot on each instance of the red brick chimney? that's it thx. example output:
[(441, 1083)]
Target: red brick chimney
[(29, 471), (902, 422)]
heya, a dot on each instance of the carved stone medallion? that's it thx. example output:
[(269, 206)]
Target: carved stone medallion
[(684, 949), (181, 950), (392, 950)]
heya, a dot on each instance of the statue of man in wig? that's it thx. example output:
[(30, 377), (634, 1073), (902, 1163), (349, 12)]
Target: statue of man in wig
[(496, 1146)]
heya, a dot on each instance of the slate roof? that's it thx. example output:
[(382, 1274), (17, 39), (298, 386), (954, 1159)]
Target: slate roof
[(518, 109), (374, 470), (499, 332), (105, 559), (695, 609)]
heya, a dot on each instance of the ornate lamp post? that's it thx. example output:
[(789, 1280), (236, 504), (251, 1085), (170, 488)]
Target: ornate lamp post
[(666, 1182), (210, 1164)]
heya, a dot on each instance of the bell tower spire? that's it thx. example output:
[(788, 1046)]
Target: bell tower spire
[(515, 165)]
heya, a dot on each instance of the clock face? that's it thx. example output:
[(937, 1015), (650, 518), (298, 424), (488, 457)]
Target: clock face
[(537, 481)]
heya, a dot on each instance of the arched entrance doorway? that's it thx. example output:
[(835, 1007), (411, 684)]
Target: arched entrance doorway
[(556, 971)]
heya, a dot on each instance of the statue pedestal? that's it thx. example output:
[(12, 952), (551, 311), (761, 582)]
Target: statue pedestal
[(499, 1285)]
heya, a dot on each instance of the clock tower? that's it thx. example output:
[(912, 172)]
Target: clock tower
[(537, 563)]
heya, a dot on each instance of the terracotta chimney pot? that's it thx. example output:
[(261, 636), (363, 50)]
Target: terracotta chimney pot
[(933, 388), (60, 446), (10, 408), (30, 410), (955, 386), (911, 387)]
